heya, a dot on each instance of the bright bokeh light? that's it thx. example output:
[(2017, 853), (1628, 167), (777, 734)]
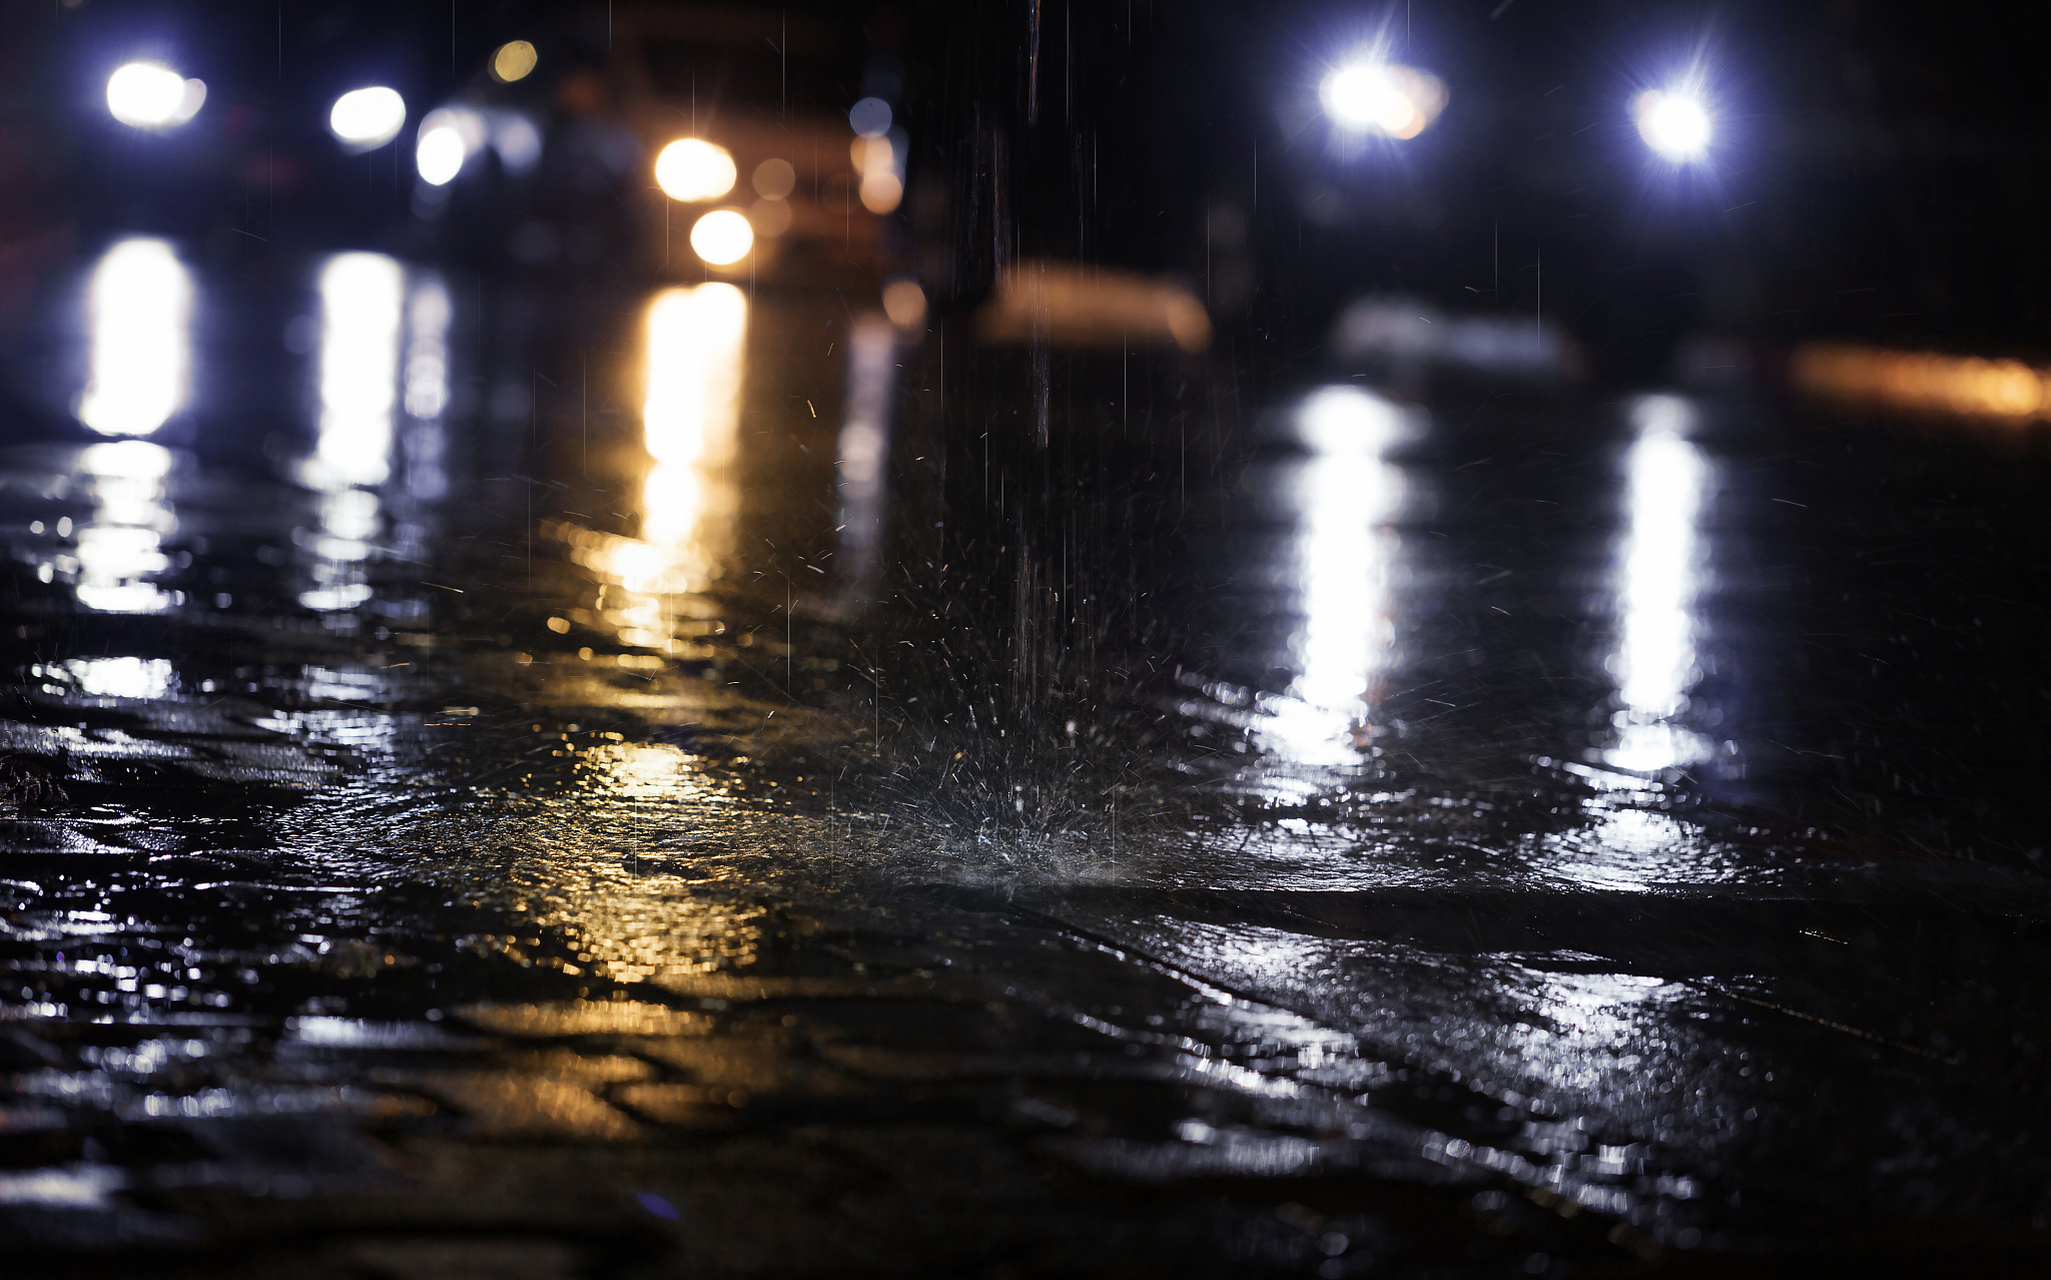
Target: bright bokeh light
[(1675, 124), (439, 155), (149, 95), (513, 61), (1666, 479), (140, 305), (1370, 96), (1346, 493), (722, 237), (462, 133), (367, 118), (881, 192), (692, 169)]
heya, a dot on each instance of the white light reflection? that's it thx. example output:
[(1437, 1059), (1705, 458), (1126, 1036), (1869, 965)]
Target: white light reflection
[(124, 542), (428, 313), (140, 312), (865, 444), (361, 297), (1659, 572), (1346, 493), (113, 677), (359, 353)]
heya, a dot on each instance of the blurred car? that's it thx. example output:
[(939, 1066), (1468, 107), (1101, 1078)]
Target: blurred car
[(744, 116)]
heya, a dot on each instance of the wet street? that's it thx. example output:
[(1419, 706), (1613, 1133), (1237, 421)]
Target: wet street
[(522, 779)]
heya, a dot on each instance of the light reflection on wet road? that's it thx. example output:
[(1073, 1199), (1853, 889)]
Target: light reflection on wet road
[(566, 809)]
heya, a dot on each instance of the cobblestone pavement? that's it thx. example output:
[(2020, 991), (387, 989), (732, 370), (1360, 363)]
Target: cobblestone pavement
[(514, 858)]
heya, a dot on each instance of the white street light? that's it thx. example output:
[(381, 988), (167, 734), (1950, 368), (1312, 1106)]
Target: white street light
[(1370, 96), (1676, 125)]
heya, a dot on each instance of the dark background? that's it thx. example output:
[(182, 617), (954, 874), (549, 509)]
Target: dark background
[(1877, 173)]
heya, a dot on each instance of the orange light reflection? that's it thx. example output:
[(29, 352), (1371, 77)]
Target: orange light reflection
[(695, 350)]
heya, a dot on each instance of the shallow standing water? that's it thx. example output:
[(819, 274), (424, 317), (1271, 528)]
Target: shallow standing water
[(477, 808)]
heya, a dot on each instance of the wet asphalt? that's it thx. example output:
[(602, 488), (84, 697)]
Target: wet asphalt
[(881, 804)]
